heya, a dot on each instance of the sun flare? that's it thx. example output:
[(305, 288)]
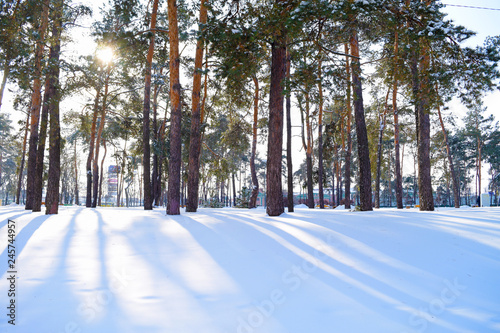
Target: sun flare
[(105, 54)]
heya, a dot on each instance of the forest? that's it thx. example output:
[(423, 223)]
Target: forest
[(193, 104)]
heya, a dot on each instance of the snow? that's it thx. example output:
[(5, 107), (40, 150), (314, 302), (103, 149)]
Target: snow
[(236, 270)]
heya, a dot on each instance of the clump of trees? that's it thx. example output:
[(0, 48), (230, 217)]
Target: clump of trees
[(191, 89)]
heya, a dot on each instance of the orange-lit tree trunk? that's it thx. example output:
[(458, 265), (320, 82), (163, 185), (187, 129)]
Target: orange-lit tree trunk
[(35, 104), (195, 138), (348, 145), (320, 137), (148, 202), (399, 178), (174, 176)]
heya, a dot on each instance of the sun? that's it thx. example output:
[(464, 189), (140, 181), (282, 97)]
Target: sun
[(106, 55)]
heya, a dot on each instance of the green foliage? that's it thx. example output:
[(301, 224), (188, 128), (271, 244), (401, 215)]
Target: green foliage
[(243, 199)]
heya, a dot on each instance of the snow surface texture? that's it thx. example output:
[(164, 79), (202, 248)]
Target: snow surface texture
[(230, 270)]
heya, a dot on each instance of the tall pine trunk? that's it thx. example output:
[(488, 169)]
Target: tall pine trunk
[(419, 67), (348, 148), (399, 178), (289, 165), (90, 158), (382, 122), (454, 178), (148, 203), (174, 176), (195, 138), (275, 206), (420, 87), (95, 164), (255, 182), (320, 138), (35, 104), (40, 152), (54, 173), (362, 136)]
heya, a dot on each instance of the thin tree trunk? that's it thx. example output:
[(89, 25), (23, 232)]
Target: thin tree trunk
[(382, 122), (77, 194), (42, 136), (255, 182), (399, 178), (99, 196), (6, 72), (23, 157), (54, 173), (362, 136), (234, 190), (308, 148), (195, 138), (454, 178), (148, 202), (90, 158), (35, 104), (289, 165), (95, 166), (348, 150), (320, 138), (173, 204), (275, 205)]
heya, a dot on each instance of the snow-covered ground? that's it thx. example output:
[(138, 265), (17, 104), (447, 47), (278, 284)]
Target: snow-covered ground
[(230, 270)]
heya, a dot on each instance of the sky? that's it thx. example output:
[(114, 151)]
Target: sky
[(485, 22)]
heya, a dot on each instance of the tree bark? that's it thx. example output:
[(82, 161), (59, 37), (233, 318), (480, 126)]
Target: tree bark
[(348, 148), (289, 165), (90, 158), (95, 165), (320, 139), (253, 172), (148, 202), (382, 122), (275, 206), (6, 72), (309, 150), (35, 104), (77, 194), (399, 178), (454, 178), (362, 136), (195, 138), (173, 204), (99, 196), (23, 157), (54, 173), (42, 136)]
